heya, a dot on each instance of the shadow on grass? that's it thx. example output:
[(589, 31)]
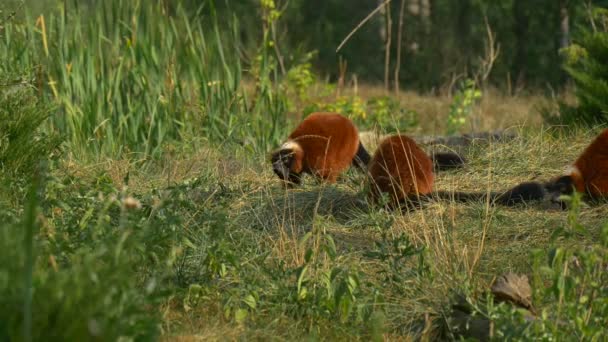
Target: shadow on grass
[(295, 210)]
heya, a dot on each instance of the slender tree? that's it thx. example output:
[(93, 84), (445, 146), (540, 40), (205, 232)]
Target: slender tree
[(387, 45), (564, 24), (520, 29), (399, 42)]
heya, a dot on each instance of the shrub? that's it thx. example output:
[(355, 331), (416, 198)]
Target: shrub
[(462, 106), (569, 288), (586, 64), (23, 141), (382, 112), (75, 279)]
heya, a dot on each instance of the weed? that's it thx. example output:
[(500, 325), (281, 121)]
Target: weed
[(23, 139), (462, 106)]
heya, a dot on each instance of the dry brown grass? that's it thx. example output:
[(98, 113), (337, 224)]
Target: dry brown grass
[(496, 110)]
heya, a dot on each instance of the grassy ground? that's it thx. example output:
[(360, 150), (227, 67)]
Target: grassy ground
[(213, 248), (465, 243), (159, 216)]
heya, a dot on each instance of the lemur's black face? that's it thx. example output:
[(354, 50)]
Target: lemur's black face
[(282, 162), (562, 186)]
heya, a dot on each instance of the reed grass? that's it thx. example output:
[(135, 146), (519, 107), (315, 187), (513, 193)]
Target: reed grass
[(129, 77)]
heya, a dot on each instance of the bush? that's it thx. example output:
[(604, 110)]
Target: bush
[(569, 288), (462, 106), (586, 64), (90, 269), (378, 112), (23, 142)]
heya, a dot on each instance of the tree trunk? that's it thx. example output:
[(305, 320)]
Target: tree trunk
[(382, 31), (425, 15), (387, 47), (521, 25), (465, 39), (564, 25), (399, 42)]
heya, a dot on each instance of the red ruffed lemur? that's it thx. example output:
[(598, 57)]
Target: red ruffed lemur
[(400, 169), (323, 145), (588, 175), (403, 171)]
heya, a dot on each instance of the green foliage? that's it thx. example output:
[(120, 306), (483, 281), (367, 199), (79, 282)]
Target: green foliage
[(321, 291), (23, 140), (302, 78), (586, 64), (569, 285), (394, 255), (387, 113), (298, 83), (438, 42), (129, 76), (462, 106), (383, 112), (76, 278), (352, 106)]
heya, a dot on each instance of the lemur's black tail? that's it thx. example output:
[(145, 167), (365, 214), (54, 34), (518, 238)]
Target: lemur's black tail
[(523, 193), (362, 158)]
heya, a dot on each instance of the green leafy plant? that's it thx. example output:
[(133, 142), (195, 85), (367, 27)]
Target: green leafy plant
[(462, 105), (299, 81), (569, 285), (300, 77), (384, 112), (352, 106), (23, 139), (325, 290), (585, 62), (78, 287), (395, 255)]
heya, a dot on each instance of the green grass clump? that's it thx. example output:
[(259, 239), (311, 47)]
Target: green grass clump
[(77, 280), (128, 76), (576, 299), (23, 116)]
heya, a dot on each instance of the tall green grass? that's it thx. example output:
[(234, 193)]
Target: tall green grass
[(87, 280), (22, 118), (128, 76)]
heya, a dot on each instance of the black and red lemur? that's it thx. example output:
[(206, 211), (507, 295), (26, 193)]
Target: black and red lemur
[(323, 145), (403, 171), (400, 169), (589, 173)]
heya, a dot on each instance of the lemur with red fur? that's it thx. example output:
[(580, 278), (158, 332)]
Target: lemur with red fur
[(589, 173), (403, 171), (323, 145)]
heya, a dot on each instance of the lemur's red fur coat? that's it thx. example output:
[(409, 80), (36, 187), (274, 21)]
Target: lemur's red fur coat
[(589, 173), (324, 145), (401, 169)]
